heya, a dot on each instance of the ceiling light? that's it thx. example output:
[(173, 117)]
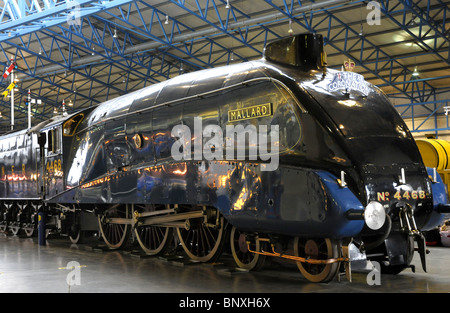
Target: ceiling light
[(115, 33), (228, 4), (167, 20), (290, 31), (415, 73)]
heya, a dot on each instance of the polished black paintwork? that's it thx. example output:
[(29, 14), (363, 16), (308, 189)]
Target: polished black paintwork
[(19, 164), (321, 133)]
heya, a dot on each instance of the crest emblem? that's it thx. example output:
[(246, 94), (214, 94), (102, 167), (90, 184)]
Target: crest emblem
[(349, 65)]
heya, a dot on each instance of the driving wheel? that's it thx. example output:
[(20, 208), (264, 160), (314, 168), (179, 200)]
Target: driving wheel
[(241, 254), (204, 239), (317, 249), (153, 239), (115, 226)]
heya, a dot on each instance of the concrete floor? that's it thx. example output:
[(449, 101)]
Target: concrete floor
[(27, 267)]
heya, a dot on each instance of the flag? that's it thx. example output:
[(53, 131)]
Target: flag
[(9, 70), (10, 87)]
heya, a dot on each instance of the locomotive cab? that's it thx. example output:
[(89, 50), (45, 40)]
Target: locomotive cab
[(55, 141), (52, 160)]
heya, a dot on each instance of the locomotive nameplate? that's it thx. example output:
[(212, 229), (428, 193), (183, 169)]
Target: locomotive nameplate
[(256, 111)]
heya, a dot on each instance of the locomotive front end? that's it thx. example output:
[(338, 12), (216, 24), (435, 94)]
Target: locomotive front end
[(401, 197), (380, 163)]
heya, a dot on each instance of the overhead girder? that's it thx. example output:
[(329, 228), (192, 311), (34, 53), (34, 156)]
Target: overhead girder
[(22, 17), (174, 36), (123, 54), (423, 31), (420, 119), (355, 46)]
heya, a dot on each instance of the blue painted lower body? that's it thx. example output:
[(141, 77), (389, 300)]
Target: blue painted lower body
[(296, 202), (288, 201)]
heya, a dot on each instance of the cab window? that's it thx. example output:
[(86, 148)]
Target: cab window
[(70, 126), (54, 140)]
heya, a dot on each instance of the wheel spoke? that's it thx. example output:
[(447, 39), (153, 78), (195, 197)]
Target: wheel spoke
[(244, 258), (115, 235), (153, 239), (317, 249), (202, 242)]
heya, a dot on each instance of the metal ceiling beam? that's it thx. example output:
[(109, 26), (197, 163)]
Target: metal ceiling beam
[(410, 111), (350, 41), (122, 54), (125, 48), (22, 17), (425, 28)]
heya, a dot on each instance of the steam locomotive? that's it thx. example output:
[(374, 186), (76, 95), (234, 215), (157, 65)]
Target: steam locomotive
[(279, 157)]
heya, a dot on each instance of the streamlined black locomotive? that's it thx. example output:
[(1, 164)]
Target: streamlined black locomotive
[(279, 157)]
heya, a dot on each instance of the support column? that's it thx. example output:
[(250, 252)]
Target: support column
[(41, 229)]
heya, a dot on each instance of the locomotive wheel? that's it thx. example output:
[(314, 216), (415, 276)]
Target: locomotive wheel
[(154, 239), (203, 242), (3, 218), (15, 226), (29, 226), (239, 249), (114, 233), (77, 236), (29, 230), (319, 249), (15, 229)]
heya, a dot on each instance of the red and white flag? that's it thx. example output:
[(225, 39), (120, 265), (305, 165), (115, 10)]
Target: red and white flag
[(9, 70)]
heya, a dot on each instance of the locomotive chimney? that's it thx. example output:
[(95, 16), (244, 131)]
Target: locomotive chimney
[(304, 51)]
